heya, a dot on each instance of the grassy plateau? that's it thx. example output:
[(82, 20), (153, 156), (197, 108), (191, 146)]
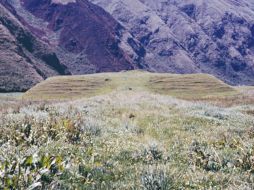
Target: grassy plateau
[(192, 86), (129, 130)]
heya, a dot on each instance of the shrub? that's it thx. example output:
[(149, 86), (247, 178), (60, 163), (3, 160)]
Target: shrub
[(156, 180)]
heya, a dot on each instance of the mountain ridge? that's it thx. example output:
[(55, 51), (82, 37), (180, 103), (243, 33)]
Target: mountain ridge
[(24, 60), (199, 33), (113, 35)]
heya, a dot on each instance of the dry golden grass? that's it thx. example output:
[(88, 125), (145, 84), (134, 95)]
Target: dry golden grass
[(190, 87), (10, 100), (73, 87), (245, 96), (132, 135)]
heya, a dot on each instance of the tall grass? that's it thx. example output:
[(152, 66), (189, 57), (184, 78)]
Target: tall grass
[(126, 140)]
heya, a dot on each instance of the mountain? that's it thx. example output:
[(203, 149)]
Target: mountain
[(215, 37), (55, 37), (24, 60), (83, 37), (85, 32)]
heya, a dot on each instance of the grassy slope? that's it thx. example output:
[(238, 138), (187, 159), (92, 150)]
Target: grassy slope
[(191, 86), (9, 99), (10, 96), (129, 139)]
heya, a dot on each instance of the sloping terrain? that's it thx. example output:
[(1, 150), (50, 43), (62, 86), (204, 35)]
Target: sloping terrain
[(82, 37), (24, 60), (192, 86), (126, 140), (52, 37), (85, 37), (214, 37)]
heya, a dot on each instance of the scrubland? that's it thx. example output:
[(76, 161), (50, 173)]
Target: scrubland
[(127, 139)]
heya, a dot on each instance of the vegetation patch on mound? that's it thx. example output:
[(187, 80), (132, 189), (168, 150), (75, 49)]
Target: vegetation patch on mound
[(192, 86)]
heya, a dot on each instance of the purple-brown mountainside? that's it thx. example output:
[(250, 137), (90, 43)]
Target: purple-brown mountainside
[(84, 37), (42, 38), (211, 36), (24, 60), (80, 30)]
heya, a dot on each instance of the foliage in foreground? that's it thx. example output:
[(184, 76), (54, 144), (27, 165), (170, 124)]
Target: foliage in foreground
[(148, 142)]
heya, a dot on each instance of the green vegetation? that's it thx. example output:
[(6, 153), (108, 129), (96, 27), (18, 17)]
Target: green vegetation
[(129, 139)]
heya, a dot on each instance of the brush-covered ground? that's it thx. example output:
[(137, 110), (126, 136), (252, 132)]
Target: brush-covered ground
[(128, 139)]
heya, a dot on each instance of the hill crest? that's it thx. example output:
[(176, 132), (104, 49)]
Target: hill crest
[(189, 86)]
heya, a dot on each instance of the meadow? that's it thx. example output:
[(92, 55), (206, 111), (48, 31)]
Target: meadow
[(132, 130)]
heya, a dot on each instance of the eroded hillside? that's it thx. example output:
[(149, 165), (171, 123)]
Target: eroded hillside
[(214, 37)]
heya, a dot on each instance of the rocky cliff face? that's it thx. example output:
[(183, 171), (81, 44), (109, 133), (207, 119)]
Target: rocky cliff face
[(181, 36)]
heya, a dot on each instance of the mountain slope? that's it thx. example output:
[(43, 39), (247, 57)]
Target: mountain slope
[(85, 37), (24, 61), (214, 37), (51, 37), (82, 37)]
